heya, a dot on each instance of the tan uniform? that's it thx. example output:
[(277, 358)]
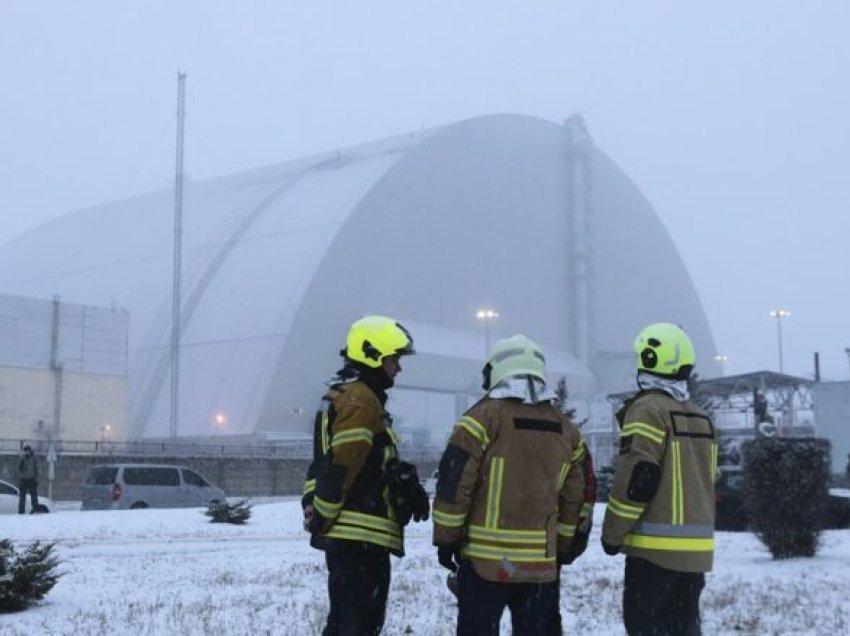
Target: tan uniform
[(661, 506), (511, 489)]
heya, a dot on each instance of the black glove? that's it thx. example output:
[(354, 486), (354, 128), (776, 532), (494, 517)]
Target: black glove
[(420, 503), (577, 547), (408, 496), (449, 556), (610, 549)]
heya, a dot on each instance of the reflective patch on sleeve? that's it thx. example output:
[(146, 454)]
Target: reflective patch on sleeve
[(451, 469), (644, 482)]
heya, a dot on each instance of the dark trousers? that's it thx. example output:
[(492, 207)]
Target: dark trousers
[(27, 486), (482, 602), (358, 582), (661, 602)]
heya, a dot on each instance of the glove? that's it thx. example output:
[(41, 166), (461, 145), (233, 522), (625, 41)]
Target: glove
[(308, 518), (408, 496), (610, 549), (577, 547), (449, 556), (420, 503)]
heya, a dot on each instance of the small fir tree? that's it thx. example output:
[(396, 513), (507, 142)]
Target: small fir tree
[(26, 578), (562, 395), (223, 512)]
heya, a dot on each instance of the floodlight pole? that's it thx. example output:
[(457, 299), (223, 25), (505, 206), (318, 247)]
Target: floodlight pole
[(178, 257), (779, 314)]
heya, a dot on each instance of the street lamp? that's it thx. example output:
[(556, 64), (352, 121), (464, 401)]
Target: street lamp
[(721, 360), (487, 315), (779, 314)]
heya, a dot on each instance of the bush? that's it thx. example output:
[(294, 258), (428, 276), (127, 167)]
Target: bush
[(223, 512), (25, 578), (786, 482)]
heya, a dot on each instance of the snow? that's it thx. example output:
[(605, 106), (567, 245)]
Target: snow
[(173, 572)]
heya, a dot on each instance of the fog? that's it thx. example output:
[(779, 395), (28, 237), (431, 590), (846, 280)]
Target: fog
[(730, 117)]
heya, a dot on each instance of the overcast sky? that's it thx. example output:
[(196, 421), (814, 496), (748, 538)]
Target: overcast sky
[(733, 118)]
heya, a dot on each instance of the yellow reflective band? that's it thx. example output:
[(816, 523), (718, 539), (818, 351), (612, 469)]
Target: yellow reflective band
[(372, 522), (565, 468), (474, 428), (324, 432), (309, 486), (495, 535), (394, 436), (351, 435), (327, 509), (578, 453), (624, 510), (672, 544), (338, 531), (678, 498), (498, 554), (448, 519), (494, 491), (644, 430), (566, 530), (714, 470)]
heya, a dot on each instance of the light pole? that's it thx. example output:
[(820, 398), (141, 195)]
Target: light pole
[(487, 315), (779, 314), (721, 360)]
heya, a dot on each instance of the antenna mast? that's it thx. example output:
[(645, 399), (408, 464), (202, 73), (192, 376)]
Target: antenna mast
[(178, 257)]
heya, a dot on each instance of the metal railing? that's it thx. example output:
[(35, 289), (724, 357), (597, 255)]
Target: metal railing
[(294, 449)]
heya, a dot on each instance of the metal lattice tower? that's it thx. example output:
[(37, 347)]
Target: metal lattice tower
[(178, 257)]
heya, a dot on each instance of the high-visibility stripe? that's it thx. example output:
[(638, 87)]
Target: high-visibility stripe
[(448, 519), (328, 509), (714, 470), (496, 535), (670, 544), (627, 511), (494, 492), (495, 553), (475, 428), (565, 468), (677, 495), (342, 531), (671, 530), (324, 431), (578, 453), (645, 430), (394, 437), (351, 435), (309, 486), (566, 530), (372, 522)]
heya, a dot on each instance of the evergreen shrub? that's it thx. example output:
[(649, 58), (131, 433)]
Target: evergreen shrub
[(25, 578), (223, 512)]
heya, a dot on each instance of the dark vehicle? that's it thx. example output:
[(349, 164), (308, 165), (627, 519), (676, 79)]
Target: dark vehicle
[(732, 514)]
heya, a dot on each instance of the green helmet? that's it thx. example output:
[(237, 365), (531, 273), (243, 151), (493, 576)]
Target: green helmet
[(373, 338), (512, 356), (665, 350)]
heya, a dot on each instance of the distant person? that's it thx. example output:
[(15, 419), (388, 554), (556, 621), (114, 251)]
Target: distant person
[(358, 496), (27, 480), (660, 511), (510, 504)]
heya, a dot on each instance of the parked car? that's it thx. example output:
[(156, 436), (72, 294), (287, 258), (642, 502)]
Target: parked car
[(135, 486), (732, 514), (9, 496)]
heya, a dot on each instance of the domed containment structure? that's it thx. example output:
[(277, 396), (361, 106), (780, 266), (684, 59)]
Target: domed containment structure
[(506, 212)]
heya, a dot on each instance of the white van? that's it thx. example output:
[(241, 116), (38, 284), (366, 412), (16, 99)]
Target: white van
[(135, 486)]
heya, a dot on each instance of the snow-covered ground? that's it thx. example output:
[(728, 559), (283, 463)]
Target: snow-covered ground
[(163, 572)]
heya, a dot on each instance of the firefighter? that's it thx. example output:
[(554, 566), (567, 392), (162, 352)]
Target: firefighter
[(509, 507), (660, 511), (358, 496)]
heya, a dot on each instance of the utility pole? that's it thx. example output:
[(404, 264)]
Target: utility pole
[(178, 257)]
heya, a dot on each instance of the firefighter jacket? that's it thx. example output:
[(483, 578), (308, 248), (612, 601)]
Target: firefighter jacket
[(346, 482), (661, 505), (510, 490)]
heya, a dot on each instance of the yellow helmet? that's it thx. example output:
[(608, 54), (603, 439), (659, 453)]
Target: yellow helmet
[(665, 350), (373, 338), (516, 355)]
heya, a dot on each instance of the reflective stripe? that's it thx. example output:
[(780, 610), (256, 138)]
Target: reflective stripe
[(586, 510), (565, 468), (475, 428), (351, 435), (624, 510), (495, 553), (496, 535), (671, 530), (714, 470), (566, 530), (448, 519), (672, 544), (645, 430), (578, 453), (328, 509), (325, 432), (309, 486), (393, 436), (678, 498), (372, 522), (351, 533), (494, 492)]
